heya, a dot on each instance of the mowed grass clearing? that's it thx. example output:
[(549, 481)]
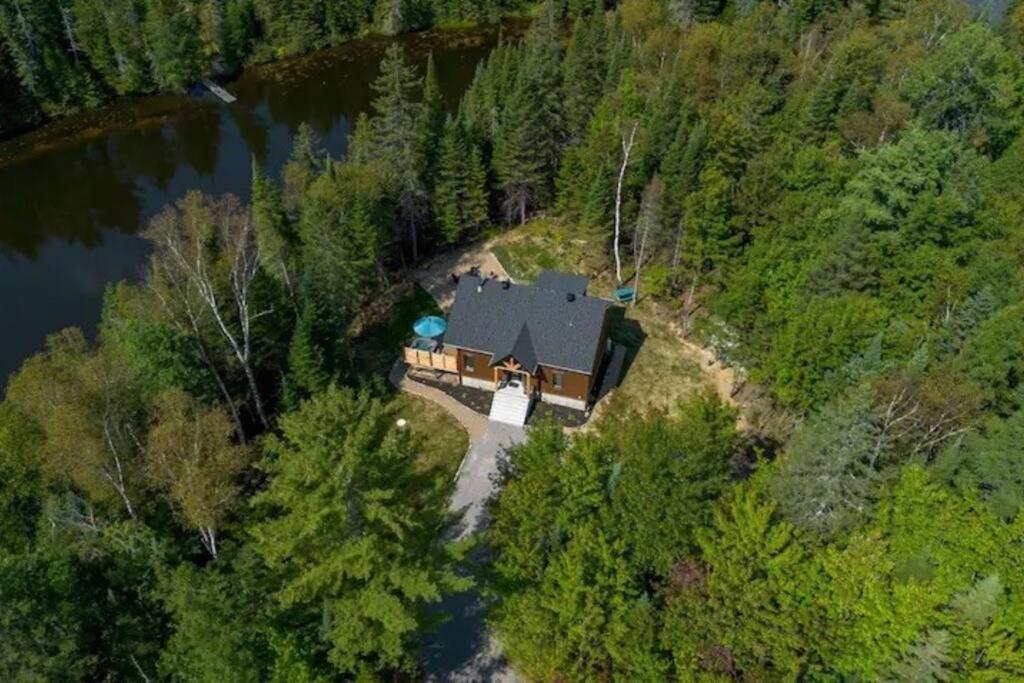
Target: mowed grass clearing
[(441, 441)]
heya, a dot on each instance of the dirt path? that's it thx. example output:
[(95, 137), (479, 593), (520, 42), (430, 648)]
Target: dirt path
[(722, 378), (435, 275)]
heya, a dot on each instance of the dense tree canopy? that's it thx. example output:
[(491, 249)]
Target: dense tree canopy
[(57, 56), (825, 194)]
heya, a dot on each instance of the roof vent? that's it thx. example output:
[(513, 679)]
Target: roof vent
[(505, 284), (570, 297)]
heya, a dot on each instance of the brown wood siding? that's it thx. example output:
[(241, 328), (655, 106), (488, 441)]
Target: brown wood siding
[(574, 384), (602, 342), (481, 365)]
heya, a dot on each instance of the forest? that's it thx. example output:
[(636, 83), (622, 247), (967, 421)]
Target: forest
[(60, 56), (826, 193)]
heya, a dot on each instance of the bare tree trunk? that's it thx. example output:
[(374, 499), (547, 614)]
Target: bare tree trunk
[(69, 33), (191, 321), (245, 266), (627, 147), (116, 481), (138, 668), (209, 538), (677, 252)]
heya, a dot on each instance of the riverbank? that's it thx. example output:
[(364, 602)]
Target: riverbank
[(141, 112)]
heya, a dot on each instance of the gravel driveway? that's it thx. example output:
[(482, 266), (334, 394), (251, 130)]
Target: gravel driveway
[(462, 649)]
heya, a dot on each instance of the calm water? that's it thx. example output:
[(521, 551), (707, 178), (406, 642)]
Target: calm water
[(69, 215)]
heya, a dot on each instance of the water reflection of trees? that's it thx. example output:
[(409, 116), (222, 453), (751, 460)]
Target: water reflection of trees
[(113, 182), (71, 194)]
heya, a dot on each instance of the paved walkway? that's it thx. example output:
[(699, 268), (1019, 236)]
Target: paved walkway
[(474, 423), (475, 482), (462, 650)]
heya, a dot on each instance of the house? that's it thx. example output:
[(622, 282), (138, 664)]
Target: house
[(546, 340)]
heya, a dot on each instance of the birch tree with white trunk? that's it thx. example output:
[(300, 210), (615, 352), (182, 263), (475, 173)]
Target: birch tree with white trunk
[(208, 249), (627, 148), (191, 457), (91, 414)]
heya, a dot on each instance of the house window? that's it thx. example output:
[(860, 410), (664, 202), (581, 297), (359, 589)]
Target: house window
[(557, 380), (467, 363)]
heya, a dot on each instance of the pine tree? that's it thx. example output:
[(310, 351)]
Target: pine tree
[(274, 233), (43, 47), (531, 130), (110, 33), (308, 359), (350, 530), (518, 160), (584, 70), (394, 140), (452, 184), (430, 126), (172, 37), (476, 203)]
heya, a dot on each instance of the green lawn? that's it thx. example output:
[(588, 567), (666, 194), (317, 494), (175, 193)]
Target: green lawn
[(547, 244), (441, 439), (659, 372)]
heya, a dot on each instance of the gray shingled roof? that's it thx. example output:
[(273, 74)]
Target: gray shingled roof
[(505, 319), (563, 282)]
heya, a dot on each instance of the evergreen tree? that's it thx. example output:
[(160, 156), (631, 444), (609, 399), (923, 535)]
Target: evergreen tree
[(394, 140), (313, 355), (460, 196), (584, 71), (304, 164), (431, 123), (172, 37), (531, 130), (350, 530), (221, 622), (476, 202), (46, 55), (452, 183), (740, 610), (111, 34), (519, 161), (274, 232)]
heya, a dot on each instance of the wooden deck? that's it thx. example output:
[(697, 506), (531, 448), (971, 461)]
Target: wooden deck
[(435, 361)]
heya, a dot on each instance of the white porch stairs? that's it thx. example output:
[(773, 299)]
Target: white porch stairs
[(510, 406)]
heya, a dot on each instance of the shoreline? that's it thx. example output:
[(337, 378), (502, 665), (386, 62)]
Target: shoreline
[(136, 112)]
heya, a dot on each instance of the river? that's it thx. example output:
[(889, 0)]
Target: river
[(74, 195)]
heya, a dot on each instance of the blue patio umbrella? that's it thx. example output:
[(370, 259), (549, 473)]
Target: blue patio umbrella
[(430, 326)]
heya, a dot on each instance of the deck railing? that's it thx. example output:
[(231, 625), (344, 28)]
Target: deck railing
[(435, 361)]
